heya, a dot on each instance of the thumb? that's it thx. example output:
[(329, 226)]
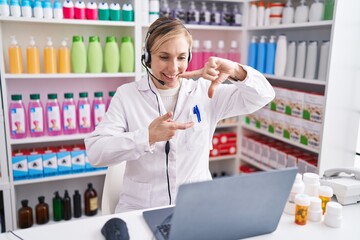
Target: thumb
[(215, 83), (191, 74), (166, 116)]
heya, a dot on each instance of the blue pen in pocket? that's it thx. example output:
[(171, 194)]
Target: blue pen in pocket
[(197, 112)]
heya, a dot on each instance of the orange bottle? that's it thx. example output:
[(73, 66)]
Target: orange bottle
[(64, 58), (15, 57), (49, 57), (32, 57)]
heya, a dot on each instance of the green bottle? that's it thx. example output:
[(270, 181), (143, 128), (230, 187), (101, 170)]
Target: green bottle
[(329, 9), (78, 55), (127, 55), (57, 207), (94, 55), (111, 55)]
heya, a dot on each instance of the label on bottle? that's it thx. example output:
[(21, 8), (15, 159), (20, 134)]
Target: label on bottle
[(99, 112), (84, 115), (53, 114), (93, 203), (18, 120), (69, 117), (36, 119)]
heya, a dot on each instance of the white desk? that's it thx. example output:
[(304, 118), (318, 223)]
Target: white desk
[(89, 228)]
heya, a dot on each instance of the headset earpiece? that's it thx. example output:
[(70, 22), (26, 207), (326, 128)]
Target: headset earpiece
[(190, 56)]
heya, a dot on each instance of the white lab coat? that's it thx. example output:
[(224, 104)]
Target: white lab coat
[(123, 135)]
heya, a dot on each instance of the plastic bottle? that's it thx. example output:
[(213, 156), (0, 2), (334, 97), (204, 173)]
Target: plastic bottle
[(225, 16), (145, 12), (311, 60), (98, 108), (15, 10), (94, 55), (78, 55), (204, 18), (127, 55), (103, 11), (179, 12), (297, 188), (237, 16), (84, 113), (25, 215), (302, 203), (4, 8), (215, 15), (64, 59), (333, 215), (42, 211), (127, 13), (314, 211), (91, 11), (267, 14), (325, 194), (280, 56), (207, 51), (220, 52), (316, 12), (329, 9), (253, 49), (323, 62), (260, 14), (111, 55), (68, 9), (193, 15), (261, 54), (154, 10), (26, 9), (50, 57), (114, 12), (77, 204), (69, 114), (58, 11), (165, 10), (290, 59), (91, 201), (67, 206), (38, 10), (288, 13), (234, 53), (17, 116), (53, 115), (301, 13), (48, 11), (32, 57), (300, 59), (312, 184), (111, 95), (15, 57), (196, 60), (36, 116), (270, 55), (57, 207), (253, 14), (79, 10)]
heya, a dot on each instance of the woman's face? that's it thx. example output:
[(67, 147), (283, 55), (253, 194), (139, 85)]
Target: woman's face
[(170, 61)]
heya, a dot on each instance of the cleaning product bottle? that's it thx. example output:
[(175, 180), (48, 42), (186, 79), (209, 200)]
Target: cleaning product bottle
[(26, 9), (311, 60), (215, 15), (237, 16), (103, 11), (207, 51), (77, 204), (145, 13), (253, 49), (225, 16), (220, 51), (111, 95), (53, 115), (204, 18), (79, 10), (127, 12), (17, 116), (115, 12), (234, 53), (42, 211), (32, 57), (165, 10), (15, 10), (84, 113), (154, 10), (267, 14), (15, 57), (58, 12), (94, 55), (69, 114), (288, 13), (127, 55), (261, 54), (323, 62), (290, 59), (36, 116), (260, 14), (25, 215), (67, 206), (78, 55), (179, 12), (316, 12), (253, 14), (91, 201), (38, 10), (280, 55), (301, 12), (57, 207), (270, 55), (196, 59), (91, 11), (4, 8), (300, 59), (111, 55), (68, 9), (192, 15), (48, 11), (49, 57), (64, 65), (98, 108), (329, 9)]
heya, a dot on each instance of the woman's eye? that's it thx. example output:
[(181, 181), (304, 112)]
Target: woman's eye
[(163, 57)]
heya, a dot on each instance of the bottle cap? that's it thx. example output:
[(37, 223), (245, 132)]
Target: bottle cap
[(326, 191), (302, 200), (35, 96), (298, 186), (83, 94), (41, 199), (57, 4), (94, 39), (91, 5), (310, 178), (127, 7), (315, 212), (64, 42), (13, 40), (234, 44), (52, 96), (196, 43), (115, 6), (26, 3), (126, 39), (46, 4), (207, 44), (333, 208), (111, 93), (32, 41), (315, 204), (221, 44), (98, 94), (111, 39), (68, 95), (49, 42), (24, 202), (80, 4), (78, 39), (103, 6), (16, 97), (37, 4)]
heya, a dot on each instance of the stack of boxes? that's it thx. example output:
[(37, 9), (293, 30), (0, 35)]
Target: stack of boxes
[(224, 144)]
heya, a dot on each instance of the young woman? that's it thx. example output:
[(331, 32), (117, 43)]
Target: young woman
[(162, 125)]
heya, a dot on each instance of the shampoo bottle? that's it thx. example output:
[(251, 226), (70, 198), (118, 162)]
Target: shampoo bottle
[(270, 55), (253, 14), (50, 57), (98, 108), (64, 62), (301, 13), (261, 54), (127, 13), (192, 15), (127, 55), (78, 55), (115, 11), (15, 10), (91, 11), (300, 59), (111, 55), (323, 62), (17, 116), (26, 9), (267, 14), (58, 11), (204, 14), (154, 10), (4, 8), (196, 60), (220, 51), (280, 56), (288, 13), (53, 115), (68, 9), (84, 113), (103, 11), (225, 16), (329, 9), (36, 116), (237, 16), (15, 57), (234, 53), (179, 12), (215, 15), (290, 59), (311, 60), (32, 57), (94, 55), (165, 10), (253, 49), (38, 10), (48, 11), (260, 14), (316, 12), (69, 114)]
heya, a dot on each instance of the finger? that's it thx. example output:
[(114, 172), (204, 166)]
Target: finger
[(166, 116), (215, 83), (191, 74), (183, 126)]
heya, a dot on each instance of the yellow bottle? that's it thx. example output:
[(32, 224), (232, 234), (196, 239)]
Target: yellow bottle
[(49, 57), (15, 57), (32, 57), (64, 58)]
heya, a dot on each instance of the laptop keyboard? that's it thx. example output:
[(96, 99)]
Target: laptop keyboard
[(164, 229)]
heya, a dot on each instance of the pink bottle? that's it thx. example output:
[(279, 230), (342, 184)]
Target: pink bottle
[(53, 115), (68, 9), (17, 116), (98, 108), (84, 113), (220, 51), (234, 53), (79, 10), (36, 116), (69, 114), (206, 53), (196, 60), (91, 11)]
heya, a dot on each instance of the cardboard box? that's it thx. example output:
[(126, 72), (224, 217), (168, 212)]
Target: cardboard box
[(310, 135), (35, 165), (313, 107), (295, 103), (19, 166), (280, 100), (77, 160), (64, 161), (50, 163)]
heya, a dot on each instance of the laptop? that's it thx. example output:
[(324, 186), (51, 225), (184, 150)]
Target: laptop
[(233, 207)]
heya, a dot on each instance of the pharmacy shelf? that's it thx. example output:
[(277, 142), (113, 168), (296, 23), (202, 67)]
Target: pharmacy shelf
[(61, 177), (255, 163), (222, 158), (306, 25), (253, 129), (297, 80), (44, 139), (4, 185), (70, 75), (227, 125), (207, 27)]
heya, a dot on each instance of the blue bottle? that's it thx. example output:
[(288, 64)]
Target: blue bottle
[(261, 56), (270, 55), (253, 52)]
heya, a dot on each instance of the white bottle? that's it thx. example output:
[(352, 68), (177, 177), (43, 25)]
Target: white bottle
[(323, 62), (58, 12), (145, 12), (290, 59), (15, 10), (267, 15), (48, 11), (288, 13), (301, 13), (311, 60), (280, 56), (260, 14), (333, 215), (38, 10), (253, 14), (312, 184), (316, 12), (315, 211), (300, 59), (154, 10), (4, 8), (26, 9)]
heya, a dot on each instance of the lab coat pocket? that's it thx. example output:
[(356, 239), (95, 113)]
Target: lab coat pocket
[(136, 194), (197, 136)]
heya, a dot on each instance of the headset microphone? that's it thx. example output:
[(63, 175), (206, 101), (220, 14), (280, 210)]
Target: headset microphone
[(149, 72)]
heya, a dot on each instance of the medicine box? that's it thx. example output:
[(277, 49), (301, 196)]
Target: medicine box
[(77, 160), (35, 165), (313, 107), (295, 103), (19, 166), (50, 164), (64, 161)]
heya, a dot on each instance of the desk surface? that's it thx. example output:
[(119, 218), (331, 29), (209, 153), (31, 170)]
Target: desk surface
[(89, 228)]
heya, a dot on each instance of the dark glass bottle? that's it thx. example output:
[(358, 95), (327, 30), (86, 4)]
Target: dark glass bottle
[(42, 211), (25, 215), (67, 206), (91, 201), (77, 204), (57, 207)]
